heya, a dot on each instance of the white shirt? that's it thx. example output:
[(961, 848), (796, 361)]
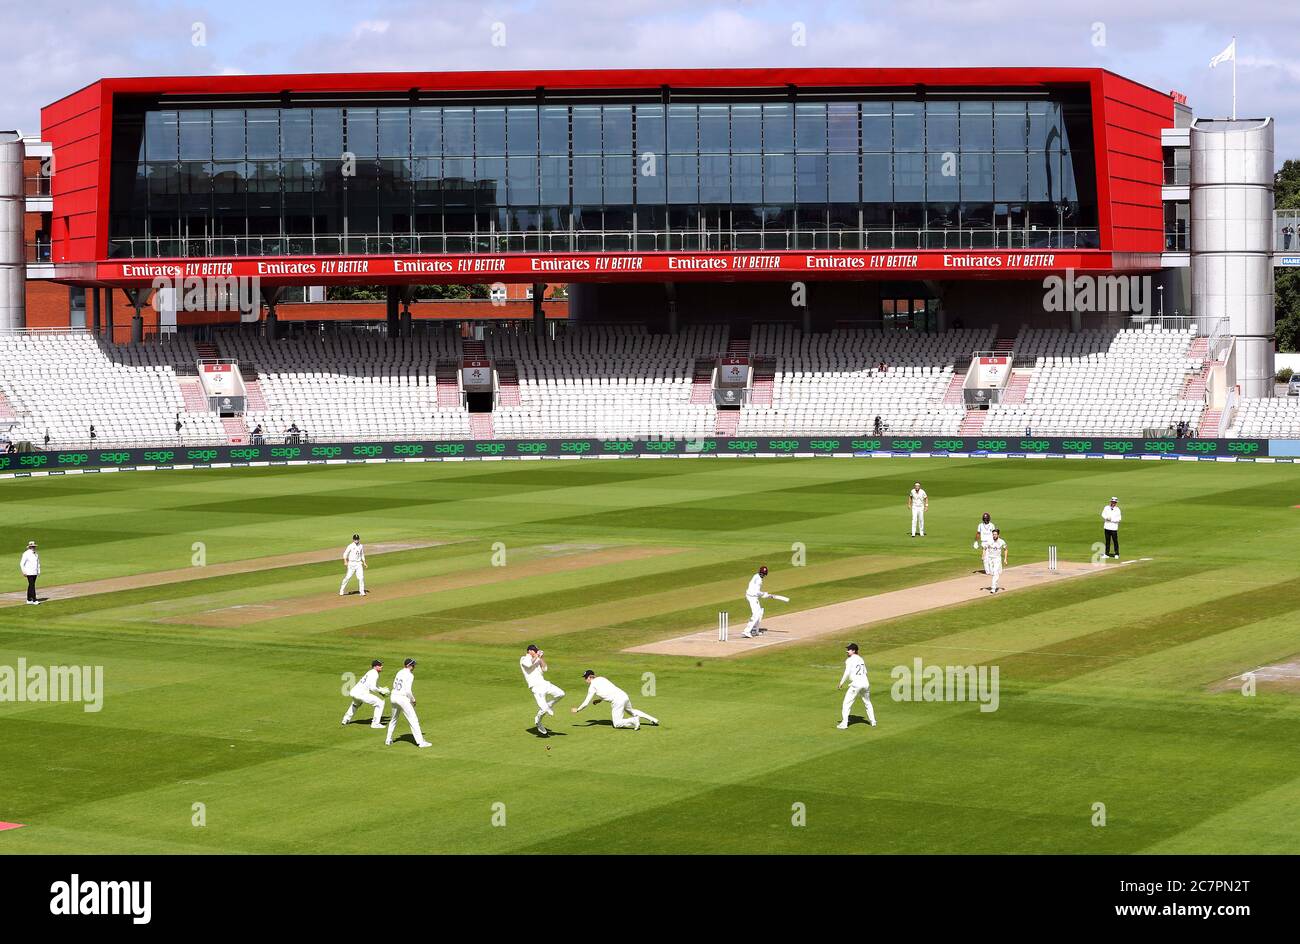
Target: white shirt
[(355, 553), (404, 684), (994, 552), (602, 687), (986, 532), (30, 564), (916, 498), (755, 588), (369, 683), (534, 674), (855, 671), (1111, 517)]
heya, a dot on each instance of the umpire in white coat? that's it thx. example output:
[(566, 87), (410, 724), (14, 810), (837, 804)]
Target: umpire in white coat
[(30, 565), (1110, 519)]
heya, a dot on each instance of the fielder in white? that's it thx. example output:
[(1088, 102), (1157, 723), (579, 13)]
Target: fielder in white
[(983, 537), (995, 558), (368, 691), (918, 501), (753, 593), (354, 555), (619, 702), (533, 664), (855, 673), (403, 699)]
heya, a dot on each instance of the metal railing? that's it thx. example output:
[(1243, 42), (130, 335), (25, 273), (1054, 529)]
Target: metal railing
[(36, 187), (38, 252), (613, 241)]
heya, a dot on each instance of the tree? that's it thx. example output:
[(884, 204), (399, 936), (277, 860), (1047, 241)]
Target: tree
[(1286, 298)]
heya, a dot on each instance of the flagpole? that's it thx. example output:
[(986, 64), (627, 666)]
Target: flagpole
[(1234, 78)]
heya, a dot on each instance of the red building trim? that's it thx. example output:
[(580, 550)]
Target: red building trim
[(1127, 118)]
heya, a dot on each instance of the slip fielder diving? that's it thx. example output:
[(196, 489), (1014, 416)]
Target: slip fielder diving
[(620, 703), (533, 664)]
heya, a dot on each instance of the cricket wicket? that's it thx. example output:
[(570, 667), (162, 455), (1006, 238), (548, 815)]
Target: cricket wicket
[(724, 623), (1051, 558)]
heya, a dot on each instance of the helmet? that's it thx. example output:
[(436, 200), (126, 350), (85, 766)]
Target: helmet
[(762, 571)]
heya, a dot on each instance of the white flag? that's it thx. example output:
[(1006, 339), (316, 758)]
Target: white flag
[(1228, 55)]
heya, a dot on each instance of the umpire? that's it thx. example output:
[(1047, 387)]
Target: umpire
[(30, 565), (1110, 519)]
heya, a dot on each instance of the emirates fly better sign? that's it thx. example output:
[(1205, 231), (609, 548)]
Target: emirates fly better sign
[(667, 266)]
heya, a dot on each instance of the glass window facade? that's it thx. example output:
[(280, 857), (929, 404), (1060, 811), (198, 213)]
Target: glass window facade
[(802, 174)]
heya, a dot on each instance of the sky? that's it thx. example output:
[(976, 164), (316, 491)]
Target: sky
[(54, 48)]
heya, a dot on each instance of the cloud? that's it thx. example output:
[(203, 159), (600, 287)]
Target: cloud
[(1164, 45)]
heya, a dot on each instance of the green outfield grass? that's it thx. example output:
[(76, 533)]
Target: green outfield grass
[(226, 690)]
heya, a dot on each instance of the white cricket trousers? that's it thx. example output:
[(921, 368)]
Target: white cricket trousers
[(618, 708), (403, 706), (995, 571), (755, 614), (354, 570), (918, 520), (850, 695), (546, 695), (365, 697)]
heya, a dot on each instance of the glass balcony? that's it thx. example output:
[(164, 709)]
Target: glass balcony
[(778, 240), (1286, 230)]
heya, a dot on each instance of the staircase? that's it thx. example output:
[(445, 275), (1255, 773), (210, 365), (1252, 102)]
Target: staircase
[(508, 383), (1200, 349), (481, 426), (448, 387), (256, 399), (207, 350), (473, 350), (702, 380), (728, 422), (192, 393), (1004, 345), (1208, 427), (1194, 386), (738, 347), (973, 423), (1016, 387), (764, 381), (7, 412), (953, 393), (236, 431)]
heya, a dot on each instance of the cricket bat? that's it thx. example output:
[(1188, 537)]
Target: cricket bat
[(777, 596)]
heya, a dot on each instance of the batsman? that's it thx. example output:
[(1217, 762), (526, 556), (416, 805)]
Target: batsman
[(753, 593)]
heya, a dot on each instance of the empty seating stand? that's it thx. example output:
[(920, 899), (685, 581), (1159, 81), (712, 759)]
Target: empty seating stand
[(606, 382), (130, 394), (1099, 383), (834, 382), (614, 382)]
